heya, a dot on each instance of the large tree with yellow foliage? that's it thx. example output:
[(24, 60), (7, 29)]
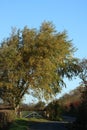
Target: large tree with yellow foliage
[(35, 60)]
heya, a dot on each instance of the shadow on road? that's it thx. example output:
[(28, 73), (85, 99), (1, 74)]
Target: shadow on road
[(47, 125)]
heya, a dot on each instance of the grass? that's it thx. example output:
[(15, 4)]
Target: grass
[(24, 113), (19, 124), (23, 124), (37, 120)]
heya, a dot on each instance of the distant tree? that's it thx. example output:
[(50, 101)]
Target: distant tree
[(40, 105), (54, 110), (35, 60)]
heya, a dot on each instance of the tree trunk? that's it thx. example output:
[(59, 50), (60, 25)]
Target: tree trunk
[(18, 112)]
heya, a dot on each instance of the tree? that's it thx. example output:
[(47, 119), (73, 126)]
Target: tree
[(83, 72), (35, 60), (81, 122), (40, 105), (54, 110)]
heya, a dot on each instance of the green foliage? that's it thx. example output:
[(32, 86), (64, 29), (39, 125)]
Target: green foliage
[(35, 60), (54, 111)]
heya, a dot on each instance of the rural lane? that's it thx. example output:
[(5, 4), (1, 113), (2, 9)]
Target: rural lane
[(47, 126)]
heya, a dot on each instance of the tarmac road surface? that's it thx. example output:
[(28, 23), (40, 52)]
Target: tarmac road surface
[(47, 126)]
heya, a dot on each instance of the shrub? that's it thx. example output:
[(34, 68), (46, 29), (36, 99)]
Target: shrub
[(6, 117)]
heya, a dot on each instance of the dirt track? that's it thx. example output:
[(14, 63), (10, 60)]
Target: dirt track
[(46, 126)]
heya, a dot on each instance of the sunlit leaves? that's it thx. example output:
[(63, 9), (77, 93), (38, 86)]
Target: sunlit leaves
[(35, 59)]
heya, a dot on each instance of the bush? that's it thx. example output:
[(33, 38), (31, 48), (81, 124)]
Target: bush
[(54, 111), (6, 117)]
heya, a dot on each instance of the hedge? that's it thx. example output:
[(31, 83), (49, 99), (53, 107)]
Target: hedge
[(6, 116)]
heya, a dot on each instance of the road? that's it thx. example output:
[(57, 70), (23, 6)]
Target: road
[(47, 126), (69, 119)]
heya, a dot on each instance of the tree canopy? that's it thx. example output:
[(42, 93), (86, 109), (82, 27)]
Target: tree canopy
[(36, 60)]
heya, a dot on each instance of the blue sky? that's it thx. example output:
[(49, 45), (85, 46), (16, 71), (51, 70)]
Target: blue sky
[(70, 15)]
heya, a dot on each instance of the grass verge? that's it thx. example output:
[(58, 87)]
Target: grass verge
[(37, 120), (19, 124), (23, 124)]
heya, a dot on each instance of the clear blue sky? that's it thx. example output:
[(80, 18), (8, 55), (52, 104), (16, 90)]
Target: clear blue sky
[(70, 15)]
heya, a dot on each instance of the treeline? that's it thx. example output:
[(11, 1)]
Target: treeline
[(72, 100)]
